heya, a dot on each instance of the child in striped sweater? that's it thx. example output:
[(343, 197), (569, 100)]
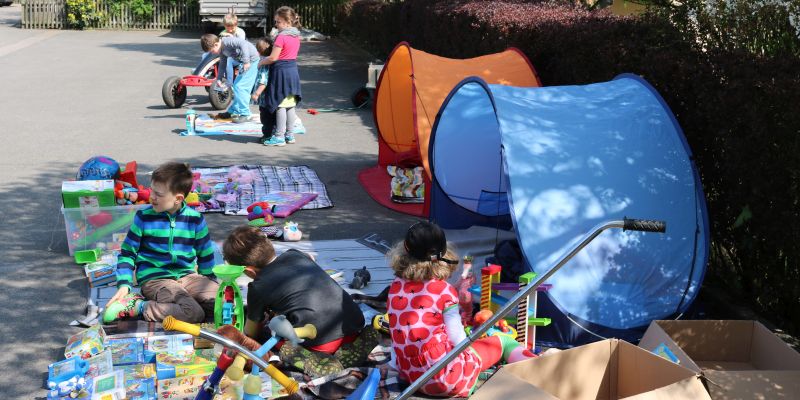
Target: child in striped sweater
[(169, 247)]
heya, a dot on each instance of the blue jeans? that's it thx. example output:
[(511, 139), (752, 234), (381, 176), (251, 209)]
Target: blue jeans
[(241, 90)]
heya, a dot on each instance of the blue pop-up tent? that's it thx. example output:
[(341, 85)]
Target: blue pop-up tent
[(552, 163)]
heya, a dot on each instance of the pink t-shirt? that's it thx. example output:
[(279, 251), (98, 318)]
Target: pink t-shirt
[(419, 338), (289, 45)]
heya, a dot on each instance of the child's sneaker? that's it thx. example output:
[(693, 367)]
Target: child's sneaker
[(273, 141), (290, 139), (129, 306), (240, 119)]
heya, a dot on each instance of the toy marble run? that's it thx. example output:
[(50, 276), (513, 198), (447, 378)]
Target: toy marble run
[(491, 300), (229, 306)]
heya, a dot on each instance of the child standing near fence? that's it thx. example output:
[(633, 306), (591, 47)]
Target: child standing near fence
[(283, 92), (231, 23)]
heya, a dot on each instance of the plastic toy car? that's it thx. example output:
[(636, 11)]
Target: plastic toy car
[(174, 89)]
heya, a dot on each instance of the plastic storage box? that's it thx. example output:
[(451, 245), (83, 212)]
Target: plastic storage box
[(104, 227)]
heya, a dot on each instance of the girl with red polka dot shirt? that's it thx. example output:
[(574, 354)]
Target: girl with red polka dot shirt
[(424, 319)]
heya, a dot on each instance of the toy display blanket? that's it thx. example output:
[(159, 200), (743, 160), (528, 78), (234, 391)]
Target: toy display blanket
[(289, 188), (207, 126)]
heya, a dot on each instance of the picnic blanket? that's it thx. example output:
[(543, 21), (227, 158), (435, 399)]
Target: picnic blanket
[(207, 126), (282, 186)]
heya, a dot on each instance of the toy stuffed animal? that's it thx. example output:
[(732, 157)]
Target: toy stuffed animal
[(260, 214), (360, 278), (291, 233), (281, 326)]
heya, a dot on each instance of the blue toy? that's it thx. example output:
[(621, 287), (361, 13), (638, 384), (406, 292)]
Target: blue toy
[(97, 168), (368, 388), (73, 367)]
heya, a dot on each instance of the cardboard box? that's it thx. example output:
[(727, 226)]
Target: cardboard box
[(610, 369), (739, 359), (86, 343), (88, 194), (182, 388)]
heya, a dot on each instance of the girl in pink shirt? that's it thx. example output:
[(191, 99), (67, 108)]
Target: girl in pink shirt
[(424, 319), (283, 88)]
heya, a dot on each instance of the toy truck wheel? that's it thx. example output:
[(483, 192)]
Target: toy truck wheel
[(360, 97), (173, 93), (220, 100)]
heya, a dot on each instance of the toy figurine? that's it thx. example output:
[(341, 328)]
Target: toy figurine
[(360, 278), (291, 233)]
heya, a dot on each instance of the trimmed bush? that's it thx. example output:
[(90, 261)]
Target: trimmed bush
[(737, 104)]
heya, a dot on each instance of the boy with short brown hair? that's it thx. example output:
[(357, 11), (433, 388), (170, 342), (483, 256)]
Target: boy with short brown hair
[(167, 245), (293, 285)]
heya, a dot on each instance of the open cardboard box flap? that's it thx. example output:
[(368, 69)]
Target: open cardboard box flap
[(610, 369), (739, 359)]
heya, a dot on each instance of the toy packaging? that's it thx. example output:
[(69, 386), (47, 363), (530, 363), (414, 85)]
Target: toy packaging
[(175, 366), (66, 369), (100, 364), (178, 345), (100, 273), (88, 194), (126, 351), (87, 343), (109, 386), (182, 388), (140, 389)]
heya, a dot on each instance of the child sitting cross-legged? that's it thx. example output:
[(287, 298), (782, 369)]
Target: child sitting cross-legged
[(424, 318), (169, 247), (293, 285)]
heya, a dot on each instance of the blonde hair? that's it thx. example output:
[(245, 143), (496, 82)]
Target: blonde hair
[(407, 267), (230, 20), (288, 14)]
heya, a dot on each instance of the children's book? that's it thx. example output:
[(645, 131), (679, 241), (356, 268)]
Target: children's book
[(100, 364), (126, 351)]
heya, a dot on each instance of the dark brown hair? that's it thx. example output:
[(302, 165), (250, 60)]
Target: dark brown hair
[(208, 41), (247, 246), (290, 15), (262, 45), (408, 267), (176, 176)]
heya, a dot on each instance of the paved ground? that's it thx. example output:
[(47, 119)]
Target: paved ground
[(70, 95)]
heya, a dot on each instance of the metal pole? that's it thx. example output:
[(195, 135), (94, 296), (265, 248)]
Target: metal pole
[(233, 345), (477, 333)]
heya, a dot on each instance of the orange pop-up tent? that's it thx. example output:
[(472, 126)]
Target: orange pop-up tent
[(412, 87)]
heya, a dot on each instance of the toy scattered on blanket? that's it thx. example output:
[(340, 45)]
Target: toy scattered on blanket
[(291, 233), (501, 327), (281, 328), (260, 214), (228, 307), (234, 184), (360, 278)]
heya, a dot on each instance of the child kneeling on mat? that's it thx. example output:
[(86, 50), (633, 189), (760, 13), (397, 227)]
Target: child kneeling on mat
[(293, 285), (424, 318), (169, 247)]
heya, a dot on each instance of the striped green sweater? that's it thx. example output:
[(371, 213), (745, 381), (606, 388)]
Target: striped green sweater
[(161, 245)]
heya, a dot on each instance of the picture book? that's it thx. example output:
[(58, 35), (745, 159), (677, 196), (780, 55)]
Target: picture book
[(126, 351)]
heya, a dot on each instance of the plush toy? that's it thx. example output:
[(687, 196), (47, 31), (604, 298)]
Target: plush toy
[(260, 214), (291, 233), (360, 278), (241, 176), (193, 199)]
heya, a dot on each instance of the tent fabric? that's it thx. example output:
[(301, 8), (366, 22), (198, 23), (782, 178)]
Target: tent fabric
[(557, 161), (411, 88)]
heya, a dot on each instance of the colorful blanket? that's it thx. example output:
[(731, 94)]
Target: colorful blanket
[(290, 188), (207, 126)]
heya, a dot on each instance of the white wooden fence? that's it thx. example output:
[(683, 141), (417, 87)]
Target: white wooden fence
[(51, 14)]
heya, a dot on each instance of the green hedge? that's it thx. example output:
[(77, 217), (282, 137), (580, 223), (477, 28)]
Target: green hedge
[(737, 104)]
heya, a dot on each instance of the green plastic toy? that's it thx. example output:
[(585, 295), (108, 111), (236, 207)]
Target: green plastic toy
[(228, 307)]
